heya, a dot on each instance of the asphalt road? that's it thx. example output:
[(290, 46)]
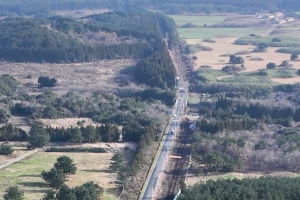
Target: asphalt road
[(154, 179)]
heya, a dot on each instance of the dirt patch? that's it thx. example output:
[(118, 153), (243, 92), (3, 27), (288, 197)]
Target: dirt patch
[(225, 46), (191, 180)]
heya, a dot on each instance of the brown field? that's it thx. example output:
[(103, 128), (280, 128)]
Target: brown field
[(81, 77), (80, 13), (26, 173), (191, 180), (225, 46), (67, 122)]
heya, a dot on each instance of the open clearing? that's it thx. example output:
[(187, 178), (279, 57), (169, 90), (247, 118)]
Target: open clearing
[(90, 167), (199, 20), (67, 122), (81, 77), (80, 13)]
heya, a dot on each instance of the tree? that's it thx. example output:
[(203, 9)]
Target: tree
[(116, 162), (65, 193), (55, 178), (6, 149), (89, 190), (76, 135), (66, 165), (294, 57), (13, 193), (49, 195), (89, 134), (38, 137), (271, 65), (45, 81)]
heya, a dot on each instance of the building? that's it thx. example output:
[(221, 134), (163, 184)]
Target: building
[(281, 21), (290, 19), (278, 14), (270, 16)]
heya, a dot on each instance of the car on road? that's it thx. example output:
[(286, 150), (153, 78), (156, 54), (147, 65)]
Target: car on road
[(174, 115), (172, 132)]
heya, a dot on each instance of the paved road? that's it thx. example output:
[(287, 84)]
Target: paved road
[(153, 181)]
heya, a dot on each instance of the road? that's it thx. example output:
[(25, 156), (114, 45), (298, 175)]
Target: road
[(167, 143)]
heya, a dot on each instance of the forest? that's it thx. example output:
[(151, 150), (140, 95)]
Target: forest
[(267, 188), (45, 7)]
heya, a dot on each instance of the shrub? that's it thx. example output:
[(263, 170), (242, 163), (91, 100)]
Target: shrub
[(45, 81), (276, 40), (271, 65), (294, 57), (231, 69), (6, 149), (236, 59), (74, 149), (194, 57)]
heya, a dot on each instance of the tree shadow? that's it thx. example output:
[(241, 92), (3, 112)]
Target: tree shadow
[(37, 191), (114, 191), (34, 184), (99, 170), (31, 175)]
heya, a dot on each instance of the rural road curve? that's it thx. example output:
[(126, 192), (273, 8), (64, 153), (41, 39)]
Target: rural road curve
[(18, 158)]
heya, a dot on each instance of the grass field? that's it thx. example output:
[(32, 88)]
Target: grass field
[(206, 33), (90, 167), (197, 20)]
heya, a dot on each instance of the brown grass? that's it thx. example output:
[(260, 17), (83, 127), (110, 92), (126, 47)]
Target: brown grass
[(226, 46), (81, 77), (67, 122)]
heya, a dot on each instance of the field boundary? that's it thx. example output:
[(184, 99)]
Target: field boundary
[(154, 160), (18, 158)]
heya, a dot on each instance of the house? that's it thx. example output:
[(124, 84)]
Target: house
[(281, 21), (290, 19), (278, 14), (270, 16)]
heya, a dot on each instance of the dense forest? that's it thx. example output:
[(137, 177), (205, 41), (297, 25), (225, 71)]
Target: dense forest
[(37, 7), (267, 188), (136, 34)]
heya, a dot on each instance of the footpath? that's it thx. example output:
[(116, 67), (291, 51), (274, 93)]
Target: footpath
[(18, 158)]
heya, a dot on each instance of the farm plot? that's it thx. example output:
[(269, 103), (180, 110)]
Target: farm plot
[(206, 33), (198, 20), (219, 56), (90, 167)]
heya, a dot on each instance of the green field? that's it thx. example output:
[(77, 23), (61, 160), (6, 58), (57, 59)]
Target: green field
[(285, 41), (26, 173), (197, 20), (206, 33)]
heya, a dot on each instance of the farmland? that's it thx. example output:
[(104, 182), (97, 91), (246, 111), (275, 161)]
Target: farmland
[(197, 19), (228, 31)]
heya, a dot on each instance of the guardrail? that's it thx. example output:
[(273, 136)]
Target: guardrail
[(177, 195), (119, 198), (150, 171)]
